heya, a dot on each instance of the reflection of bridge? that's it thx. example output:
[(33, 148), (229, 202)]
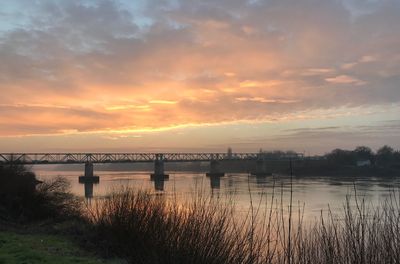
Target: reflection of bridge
[(158, 158)]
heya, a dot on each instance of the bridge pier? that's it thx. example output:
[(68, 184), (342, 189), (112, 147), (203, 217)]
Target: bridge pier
[(89, 169), (88, 179), (159, 169), (261, 168), (89, 176), (215, 169)]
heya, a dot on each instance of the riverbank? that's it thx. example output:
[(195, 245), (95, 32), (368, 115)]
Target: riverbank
[(31, 245), (41, 222), (140, 226)]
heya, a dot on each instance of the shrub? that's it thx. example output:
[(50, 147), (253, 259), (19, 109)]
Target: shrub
[(23, 198)]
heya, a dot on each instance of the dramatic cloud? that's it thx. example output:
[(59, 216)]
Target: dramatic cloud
[(95, 66)]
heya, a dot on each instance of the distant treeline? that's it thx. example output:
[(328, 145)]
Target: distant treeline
[(360, 161), (383, 157)]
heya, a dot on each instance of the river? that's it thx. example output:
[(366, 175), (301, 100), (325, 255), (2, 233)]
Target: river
[(310, 194)]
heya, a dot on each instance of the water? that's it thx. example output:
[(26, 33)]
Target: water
[(311, 194)]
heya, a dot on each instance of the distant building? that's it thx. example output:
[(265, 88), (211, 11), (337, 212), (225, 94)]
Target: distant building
[(362, 163)]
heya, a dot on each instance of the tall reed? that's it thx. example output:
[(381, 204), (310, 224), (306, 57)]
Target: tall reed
[(147, 228)]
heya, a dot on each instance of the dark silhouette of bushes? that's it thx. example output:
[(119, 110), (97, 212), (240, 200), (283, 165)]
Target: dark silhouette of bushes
[(23, 198)]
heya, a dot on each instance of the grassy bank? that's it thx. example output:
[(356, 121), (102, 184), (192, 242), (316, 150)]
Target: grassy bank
[(41, 222), (17, 248)]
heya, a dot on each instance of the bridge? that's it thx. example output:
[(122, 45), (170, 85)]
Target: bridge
[(71, 158), (157, 158)]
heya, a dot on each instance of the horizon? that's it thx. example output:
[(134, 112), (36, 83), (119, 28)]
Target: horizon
[(190, 76)]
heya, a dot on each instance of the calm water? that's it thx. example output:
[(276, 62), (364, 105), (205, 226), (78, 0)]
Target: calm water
[(315, 193)]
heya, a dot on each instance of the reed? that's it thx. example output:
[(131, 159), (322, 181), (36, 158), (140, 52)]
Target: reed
[(147, 228)]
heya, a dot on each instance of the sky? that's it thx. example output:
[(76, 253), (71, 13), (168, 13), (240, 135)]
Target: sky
[(185, 75)]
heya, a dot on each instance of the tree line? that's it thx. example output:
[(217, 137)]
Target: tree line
[(384, 156)]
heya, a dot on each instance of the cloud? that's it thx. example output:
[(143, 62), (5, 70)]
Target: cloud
[(345, 79), (162, 102), (348, 137), (115, 65), (264, 100), (324, 139)]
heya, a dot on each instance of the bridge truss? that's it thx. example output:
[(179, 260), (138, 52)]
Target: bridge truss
[(74, 158)]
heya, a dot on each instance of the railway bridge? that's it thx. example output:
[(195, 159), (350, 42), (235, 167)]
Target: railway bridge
[(157, 158)]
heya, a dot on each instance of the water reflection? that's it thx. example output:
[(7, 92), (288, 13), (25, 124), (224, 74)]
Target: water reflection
[(262, 181), (88, 190), (215, 182), (159, 183)]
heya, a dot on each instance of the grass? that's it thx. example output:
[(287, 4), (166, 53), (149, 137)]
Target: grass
[(42, 248)]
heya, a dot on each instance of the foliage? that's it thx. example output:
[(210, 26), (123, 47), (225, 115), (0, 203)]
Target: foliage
[(23, 198), (363, 153), (385, 156), (341, 157)]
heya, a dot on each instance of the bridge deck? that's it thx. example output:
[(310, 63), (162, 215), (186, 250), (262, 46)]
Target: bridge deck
[(71, 158)]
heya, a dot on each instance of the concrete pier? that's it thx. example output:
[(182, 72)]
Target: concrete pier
[(89, 169), (261, 168), (215, 169), (89, 177), (159, 169)]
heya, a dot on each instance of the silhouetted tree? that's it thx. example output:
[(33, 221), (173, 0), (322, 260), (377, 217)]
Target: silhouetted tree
[(364, 153), (24, 198), (341, 157), (396, 158), (385, 155)]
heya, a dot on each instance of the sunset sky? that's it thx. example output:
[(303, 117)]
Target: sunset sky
[(130, 75)]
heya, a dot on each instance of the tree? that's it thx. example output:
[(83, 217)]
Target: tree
[(341, 157), (385, 155), (396, 157), (363, 153)]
